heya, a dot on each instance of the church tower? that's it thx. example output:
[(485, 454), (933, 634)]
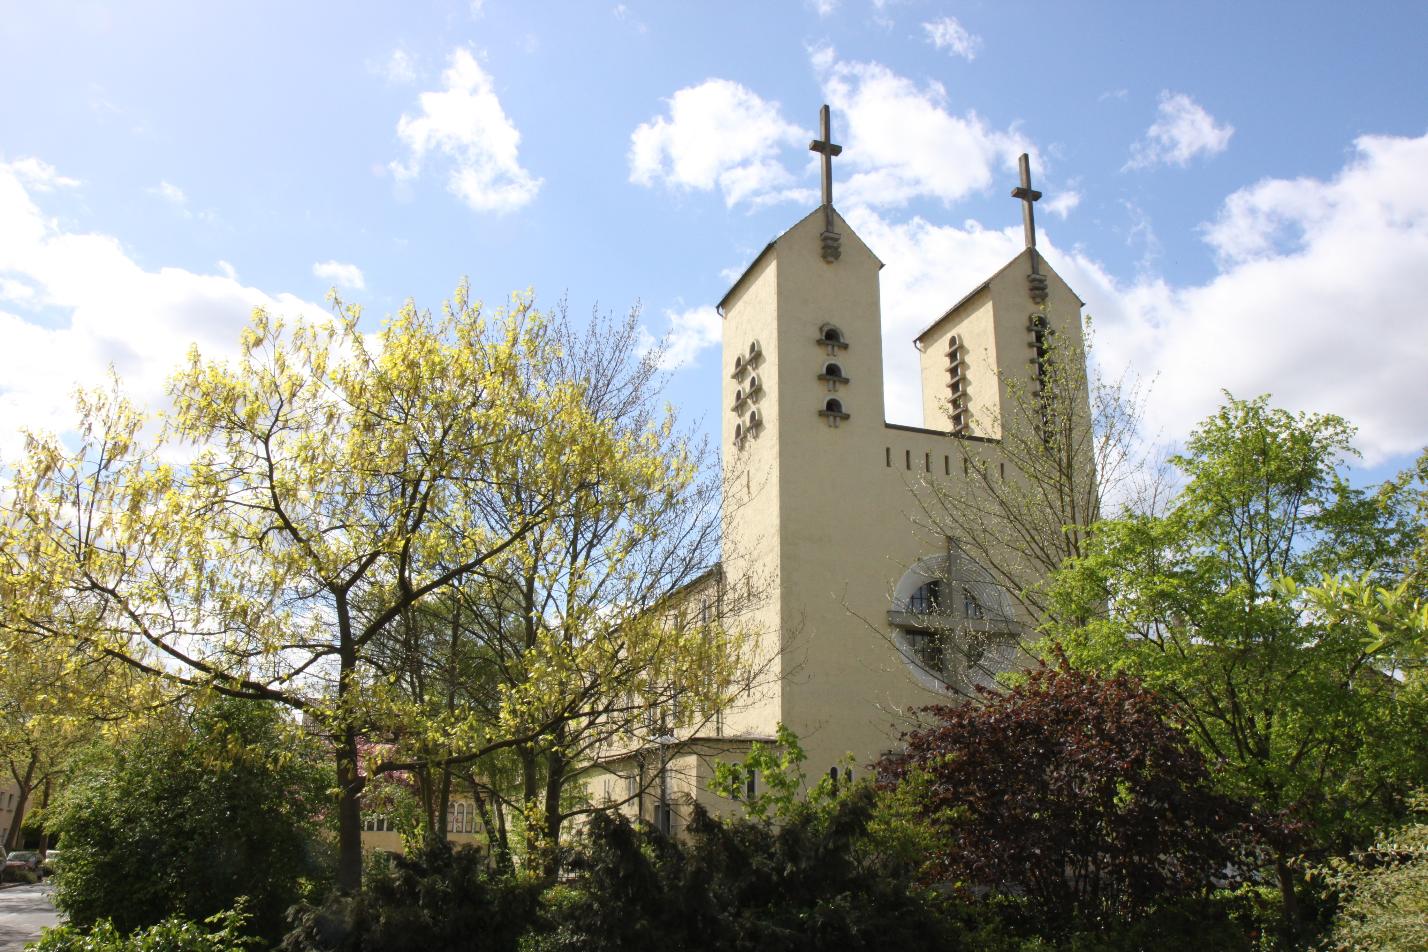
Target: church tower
[(823, 496), (862, 605)]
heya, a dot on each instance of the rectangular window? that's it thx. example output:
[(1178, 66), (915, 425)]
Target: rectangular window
[(907, 458), (888, 452), (946, 466), (751, 785), (927, 462)]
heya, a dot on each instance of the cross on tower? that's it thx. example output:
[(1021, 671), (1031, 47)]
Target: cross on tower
[(825, 147), (1027, 194), (1036, 281)]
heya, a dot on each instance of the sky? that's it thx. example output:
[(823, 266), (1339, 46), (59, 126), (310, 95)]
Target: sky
[(1238, 191)]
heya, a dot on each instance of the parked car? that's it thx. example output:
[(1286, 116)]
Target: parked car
[(22, 864), (50, 863)]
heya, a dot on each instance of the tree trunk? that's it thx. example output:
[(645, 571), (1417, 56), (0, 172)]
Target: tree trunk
[(349, 814), (530, 793), (443, 805), (45, 805), (554, 783), (1291, 900), (12, 836)]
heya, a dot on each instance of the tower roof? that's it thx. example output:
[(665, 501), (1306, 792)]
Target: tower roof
[(770, 247), (1024, 258)]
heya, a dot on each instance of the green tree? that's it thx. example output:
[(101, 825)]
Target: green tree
[(55, 699), (197, 808), (302, 500), (575, 615), (1069, 449), (1383, 891), (1298, 712)]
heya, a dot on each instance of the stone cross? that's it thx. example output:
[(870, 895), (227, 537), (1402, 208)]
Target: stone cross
[(825, 147)]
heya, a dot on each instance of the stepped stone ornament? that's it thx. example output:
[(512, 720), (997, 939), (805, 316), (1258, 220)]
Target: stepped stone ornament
[(825, 147), (1036, 281)]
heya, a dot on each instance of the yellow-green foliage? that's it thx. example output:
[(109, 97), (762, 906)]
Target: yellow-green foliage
[(1384, 893)]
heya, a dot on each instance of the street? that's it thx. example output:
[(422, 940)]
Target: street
[(24, 911)]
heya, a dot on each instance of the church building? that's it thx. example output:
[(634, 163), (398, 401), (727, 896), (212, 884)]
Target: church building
[(822, 498)]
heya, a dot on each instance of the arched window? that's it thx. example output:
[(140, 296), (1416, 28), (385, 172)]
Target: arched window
[(755, 350), (954, 624), (755, 384), (834, 405), (927, 599), (756, 420), (738, 432), (738, 366), (831, 337), (832, 370)]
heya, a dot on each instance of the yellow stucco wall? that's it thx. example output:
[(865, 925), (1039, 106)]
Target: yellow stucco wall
[(834, 512)]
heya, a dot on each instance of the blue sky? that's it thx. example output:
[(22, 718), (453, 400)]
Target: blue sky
[(1237, 190)]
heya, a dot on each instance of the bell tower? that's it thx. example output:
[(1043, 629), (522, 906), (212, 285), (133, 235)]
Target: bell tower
[(997, 339), (802, 392)]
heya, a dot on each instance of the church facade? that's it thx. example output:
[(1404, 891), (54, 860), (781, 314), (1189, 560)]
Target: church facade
[(857, 592)]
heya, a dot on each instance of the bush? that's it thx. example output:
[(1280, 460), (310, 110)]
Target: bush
[(1073, 791), (223, 932), (1383, 892), (813, 883), (197, 809), (439, 900)]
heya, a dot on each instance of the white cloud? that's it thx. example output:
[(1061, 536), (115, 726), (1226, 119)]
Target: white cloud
[(622, 13), (948, 34), (171, 193), (399, 69), (342, 275), (717, 134), (464, 122), (228, 270), (1182, 130), (690, 332), (903, 142), (1308, 302), (95, 306), (39, 176), (1063, 203), (823, 7)]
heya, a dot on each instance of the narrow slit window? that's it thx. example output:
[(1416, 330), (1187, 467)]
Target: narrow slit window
[(887, 452)]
